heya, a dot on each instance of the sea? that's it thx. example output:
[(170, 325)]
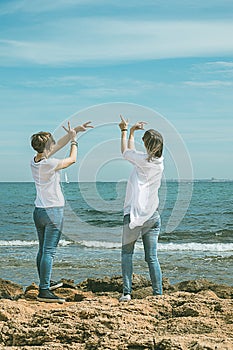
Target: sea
[(196, 239)]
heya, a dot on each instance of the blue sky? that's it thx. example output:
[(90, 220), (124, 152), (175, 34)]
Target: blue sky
[(175, 57)]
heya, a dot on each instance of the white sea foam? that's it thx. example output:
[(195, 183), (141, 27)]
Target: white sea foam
[(208, 247), (100, 244), (19, 243), (205, 247), (211, 247), (64, 242)]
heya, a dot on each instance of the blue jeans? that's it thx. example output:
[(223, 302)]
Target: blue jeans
[(150, 233), (48, 222)]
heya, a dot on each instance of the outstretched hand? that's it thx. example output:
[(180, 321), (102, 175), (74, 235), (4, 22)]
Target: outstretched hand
[(72, 133), (138, 126), (84, 126), (124, 123)]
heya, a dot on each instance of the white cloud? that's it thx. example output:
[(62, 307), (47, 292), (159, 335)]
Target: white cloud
[(88, 41), (88, 81), (180, 6), (209, 84), (39, 5), (217, 68), (89, 86), (45, 6), (63, 81), (218, 64)]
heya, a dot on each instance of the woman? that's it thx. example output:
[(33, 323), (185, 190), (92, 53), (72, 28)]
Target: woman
[(49, 203), (141, 204)]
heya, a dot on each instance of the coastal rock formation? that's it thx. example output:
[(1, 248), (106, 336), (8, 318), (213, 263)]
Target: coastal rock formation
[(10, 290), (94, 318), (196, 286)]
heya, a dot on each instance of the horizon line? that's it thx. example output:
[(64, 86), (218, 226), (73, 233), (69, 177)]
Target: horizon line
[(213, 179)]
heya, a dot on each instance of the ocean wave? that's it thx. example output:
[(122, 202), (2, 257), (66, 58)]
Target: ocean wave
[(208, 247), (212, 247), (64, 243), (19, 243), (100, 244), (204, 247)]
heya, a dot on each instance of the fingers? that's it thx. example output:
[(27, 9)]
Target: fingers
[(85, 125), (139, 125), (68, 127), (65, 128), (123, 120), (143, 124)]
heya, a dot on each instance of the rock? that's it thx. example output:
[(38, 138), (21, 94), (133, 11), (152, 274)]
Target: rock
[(222, 291), (70, 294), (167, 287), (4, 316), (32, 286), (208, 345), (140, 282), (31, 292), (195, 286), (168, 344), (208, 294), (112, 284), (68, 283), (10, 290), (105, 284), (177, 320), (142, 293), (185, 310), (80, 296)]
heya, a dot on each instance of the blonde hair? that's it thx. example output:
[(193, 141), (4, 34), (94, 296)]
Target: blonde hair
[(42, 141), (153, 142)]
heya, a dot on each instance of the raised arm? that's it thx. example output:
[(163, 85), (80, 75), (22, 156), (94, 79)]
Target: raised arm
[(137, 126), (66, 138), (123, 126), (131, 139), (64, 163)]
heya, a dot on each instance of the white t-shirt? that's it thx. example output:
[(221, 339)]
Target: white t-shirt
[(47, 181), (141, 199)]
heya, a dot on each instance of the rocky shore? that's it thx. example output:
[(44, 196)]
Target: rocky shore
[(192, 315)]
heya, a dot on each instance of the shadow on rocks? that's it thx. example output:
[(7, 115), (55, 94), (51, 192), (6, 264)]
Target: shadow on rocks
[(196, 286), (10, 290)]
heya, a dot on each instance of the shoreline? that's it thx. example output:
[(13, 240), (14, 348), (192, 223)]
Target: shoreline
[(190, 315)]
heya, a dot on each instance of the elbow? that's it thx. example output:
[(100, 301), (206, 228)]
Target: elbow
[(71, 161)]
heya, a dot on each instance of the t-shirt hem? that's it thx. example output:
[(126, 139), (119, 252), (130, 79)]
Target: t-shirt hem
[(50, 206)]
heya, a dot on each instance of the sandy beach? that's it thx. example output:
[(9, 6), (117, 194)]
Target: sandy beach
[(195, 315)]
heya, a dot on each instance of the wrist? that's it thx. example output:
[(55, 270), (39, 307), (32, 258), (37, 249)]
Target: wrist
[(132, 131), (74, 143), (124, 129)]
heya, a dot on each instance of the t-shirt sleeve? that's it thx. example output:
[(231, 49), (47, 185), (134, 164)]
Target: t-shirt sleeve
[(133, 156), (52, 163)]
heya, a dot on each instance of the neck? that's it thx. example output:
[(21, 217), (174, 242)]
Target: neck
[(40, 156)]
